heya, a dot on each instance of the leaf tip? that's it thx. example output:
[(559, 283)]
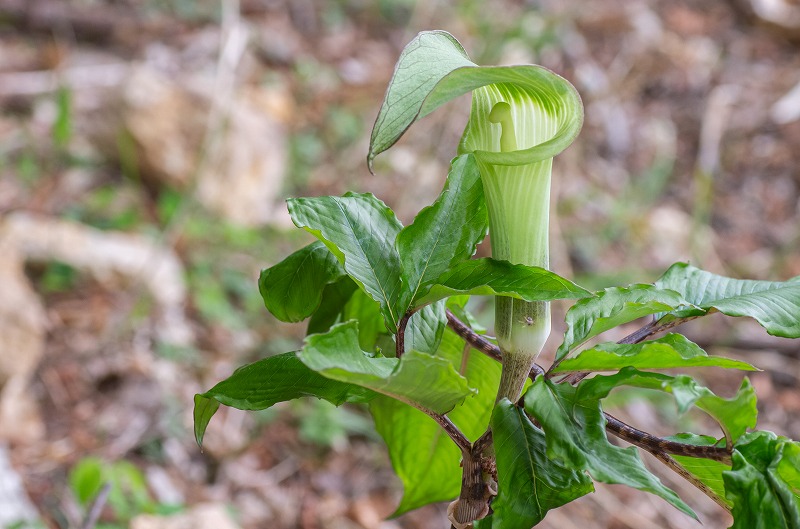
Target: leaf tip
[(204, 409)]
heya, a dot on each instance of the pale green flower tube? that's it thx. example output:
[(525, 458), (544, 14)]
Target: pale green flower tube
[(514, 132)]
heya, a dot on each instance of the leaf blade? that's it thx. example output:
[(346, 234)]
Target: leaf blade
[(734, 415), (422, 456), (360, 231), (762, 496), (529, 483), (612, 307), (574, 428), (446, 232), (667, 352), (708, 471), (417, 379), (259, 385), (292, 289), (773, 304), (425, 328), (491, 277)]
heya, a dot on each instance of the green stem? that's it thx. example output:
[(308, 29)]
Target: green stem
[(522, 328), (518, 199)]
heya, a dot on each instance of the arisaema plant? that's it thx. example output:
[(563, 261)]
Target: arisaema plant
[(386, 311)]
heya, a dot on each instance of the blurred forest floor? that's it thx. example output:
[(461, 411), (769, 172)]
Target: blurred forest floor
[(145, 150)]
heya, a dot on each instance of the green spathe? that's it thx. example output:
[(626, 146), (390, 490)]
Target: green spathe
[(508, 125)]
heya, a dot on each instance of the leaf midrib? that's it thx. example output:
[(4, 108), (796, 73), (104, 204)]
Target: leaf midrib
[(366, 257)]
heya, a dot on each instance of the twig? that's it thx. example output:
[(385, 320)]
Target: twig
[(449, 427), (93, 514), (642, 334), (654, 327)]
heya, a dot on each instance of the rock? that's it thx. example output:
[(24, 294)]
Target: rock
[(207, 516), (166, 125)]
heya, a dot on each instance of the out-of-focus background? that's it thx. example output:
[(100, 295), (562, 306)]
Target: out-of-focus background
[(146, 147)]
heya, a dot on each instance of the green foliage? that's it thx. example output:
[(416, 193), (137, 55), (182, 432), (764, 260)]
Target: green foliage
[(324, 424), (444, 233), (416, 379), (375, 295), (772, 304), (58, 277), (613, 307), (763, 483), (127, 490), (708, 471), (360, 231), (671, 351), (261, 384), (434, 69), (62, 127), (530, 482), (309, 270), (424, 458), (489, 277), (734, 415), (574, 428)]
